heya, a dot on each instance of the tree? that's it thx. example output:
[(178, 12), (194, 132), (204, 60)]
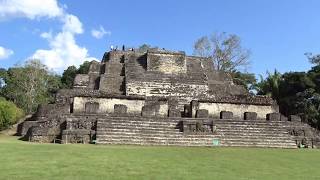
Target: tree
[(9, 113), (224, 50), (246, 80), (68, 77), (270, 85), (295, 94), (84, 68), (3, 75), (145, 47), (29, 85), (70, 73), (313, 59)]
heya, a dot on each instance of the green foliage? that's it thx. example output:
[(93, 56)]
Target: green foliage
[(247, 80), (9, 113), (313, 59), (296, 93), (68, 77), (70, 73), (84, 68), (270, 85), (29, 85), (145, 47)]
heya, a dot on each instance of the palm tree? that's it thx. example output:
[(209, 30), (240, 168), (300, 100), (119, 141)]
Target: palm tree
[(270, 85)]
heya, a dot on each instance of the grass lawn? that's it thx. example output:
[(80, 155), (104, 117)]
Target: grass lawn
[(31, 161)]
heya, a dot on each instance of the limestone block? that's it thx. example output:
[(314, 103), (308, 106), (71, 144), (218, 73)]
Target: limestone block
[(250, 115), (174, 112), (273, 117), (226, 115), (77, 136), (202, 113), (294, 118), (283, 118), (25, 126), (120, 109), (94, 67), (166, 62), (81, 80), (148, 111), (91, 107)]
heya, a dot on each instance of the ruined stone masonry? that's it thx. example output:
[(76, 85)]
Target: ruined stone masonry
[(163, 98)]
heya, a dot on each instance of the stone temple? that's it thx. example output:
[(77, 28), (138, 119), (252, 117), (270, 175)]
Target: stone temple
[(163, 98)]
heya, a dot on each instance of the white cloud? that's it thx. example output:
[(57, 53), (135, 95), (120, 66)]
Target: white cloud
[(99, 33), (72, 24), (5, 53), (63, 49), (29, 8)]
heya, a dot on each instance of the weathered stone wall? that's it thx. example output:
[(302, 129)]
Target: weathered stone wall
[(238, 110), (81, 81), (165, 89), (166, 62), (107, 105)]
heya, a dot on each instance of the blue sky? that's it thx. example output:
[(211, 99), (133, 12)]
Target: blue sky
[(278, 33)]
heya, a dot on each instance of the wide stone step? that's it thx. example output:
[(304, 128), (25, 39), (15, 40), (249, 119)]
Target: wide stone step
[(270, 131), (253, 134), (139, 124), (157, 135), (157, 143), (252, 139), (137, 128), (251, 127), (174, 132), (258, 125), (188, 142), (170, 136), (259, 144), (252, 123), (187, 139), (119, 131), (157, 140)]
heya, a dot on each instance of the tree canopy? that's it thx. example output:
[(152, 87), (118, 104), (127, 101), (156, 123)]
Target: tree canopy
[(70, 73), (225, 51), (29, 84), (296, 93)]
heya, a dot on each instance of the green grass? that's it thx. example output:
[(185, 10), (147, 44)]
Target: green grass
[(31, 161)]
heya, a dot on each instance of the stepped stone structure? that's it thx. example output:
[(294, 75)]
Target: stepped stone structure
[(163, 98)]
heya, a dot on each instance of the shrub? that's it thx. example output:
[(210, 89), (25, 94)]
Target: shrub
[(9, 113)]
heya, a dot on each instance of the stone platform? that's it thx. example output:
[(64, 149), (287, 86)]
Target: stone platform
[(163, 98)]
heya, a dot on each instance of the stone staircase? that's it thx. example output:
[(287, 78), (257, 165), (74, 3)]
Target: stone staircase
[(112, 81), (166, 131), (254, 133), (134, 69)]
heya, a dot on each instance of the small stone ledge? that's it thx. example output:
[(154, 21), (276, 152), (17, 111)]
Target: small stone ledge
[(202, 113), (120, 109), (226, 115), (250, 116), (273, 117), (294, 118), (77, 136), (173, 112), (240, 99)]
